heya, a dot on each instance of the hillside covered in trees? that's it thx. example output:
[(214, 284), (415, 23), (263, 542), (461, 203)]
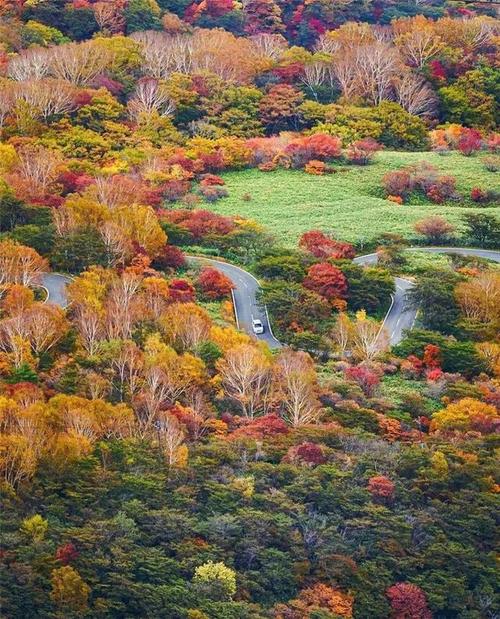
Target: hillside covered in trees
[(159, 459)]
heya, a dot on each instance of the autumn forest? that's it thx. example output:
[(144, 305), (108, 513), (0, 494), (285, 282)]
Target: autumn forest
[(249, 309)]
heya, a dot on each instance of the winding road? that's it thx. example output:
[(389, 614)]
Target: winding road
[(399, 318)]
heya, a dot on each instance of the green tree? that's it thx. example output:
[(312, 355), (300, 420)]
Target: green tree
[(483, 229)]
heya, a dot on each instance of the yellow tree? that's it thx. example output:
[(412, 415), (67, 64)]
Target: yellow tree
[(245, 373), (185, 325), (297, 386), (70, 592), (462, 415)]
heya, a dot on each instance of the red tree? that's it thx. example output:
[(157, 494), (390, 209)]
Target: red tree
[(322, 246), (170, 257), (381, 487), (67, 553), (364, 377), (214, 284), (181, 291), (432, 357), (469, 142), (327, 281), (408, 602)]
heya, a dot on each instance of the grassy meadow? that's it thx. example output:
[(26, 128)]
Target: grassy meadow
[(349, 204)]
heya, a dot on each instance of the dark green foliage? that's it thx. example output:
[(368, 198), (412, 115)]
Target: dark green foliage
[(483, 229), (78, 251), (434, 295)]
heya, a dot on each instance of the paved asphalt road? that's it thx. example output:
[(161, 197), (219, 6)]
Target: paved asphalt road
[(245, 299), (399, 318), (55, 285)]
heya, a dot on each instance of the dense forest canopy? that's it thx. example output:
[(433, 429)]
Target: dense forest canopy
[(157, 458)]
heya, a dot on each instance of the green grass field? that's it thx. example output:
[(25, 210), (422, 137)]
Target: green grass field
[(349, 204)]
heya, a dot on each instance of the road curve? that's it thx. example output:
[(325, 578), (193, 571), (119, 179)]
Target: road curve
[(245, 302), (400, 316), (55, 285), (398, 319)]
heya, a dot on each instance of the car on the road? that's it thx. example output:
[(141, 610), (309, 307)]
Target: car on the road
[(257, 326)]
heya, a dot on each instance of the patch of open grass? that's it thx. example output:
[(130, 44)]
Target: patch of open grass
[(350, 204)]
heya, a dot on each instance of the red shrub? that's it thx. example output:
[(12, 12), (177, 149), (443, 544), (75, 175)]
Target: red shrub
[(367, 379), (266, 426), (327, 281), (181, 291), (469, 142), (322, 246), (432, 358), (212, 179), (170, 257), (315, 167), (408, 602), (320, 147), (214, 284), (398, 183), (361, 152), (200, 222), (478, 195), (381, 487), (308, 454), (67, 553)]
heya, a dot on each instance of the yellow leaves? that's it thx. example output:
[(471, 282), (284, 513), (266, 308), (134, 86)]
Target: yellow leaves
[(461, 415), (244, 485), (35, 528), (90, 288), (227, 338), (361, 315), (69, 591), (439, 465), (140, 224), (8, 158)]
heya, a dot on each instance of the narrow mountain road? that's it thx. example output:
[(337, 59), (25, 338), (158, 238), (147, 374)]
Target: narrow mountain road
[(245, 291), (55, 285), (399, 318)]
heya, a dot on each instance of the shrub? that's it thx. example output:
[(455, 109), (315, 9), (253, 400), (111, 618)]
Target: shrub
[(212, 193), (315, 167), (319, 146), (361, 152), (367, 379), (327, 281), (214, 284), (305, 454), (470, 142), (395, 199), (381, 487), (322, 246), (268, 166), (398, 183), (208, 180), (170, 257), (435, 229), (479, 195), (492, 164)]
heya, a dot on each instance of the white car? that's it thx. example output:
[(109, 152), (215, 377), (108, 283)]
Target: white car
[(257, 326)]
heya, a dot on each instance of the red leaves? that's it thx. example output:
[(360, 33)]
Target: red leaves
[(200, 223), (381, 487), (170, 257), (214, 284), (67, 553), (367, 379), (322, 246), (470, 141), (308, 454), (181, 291), (317, 147), (408, 601), (327, 281)]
